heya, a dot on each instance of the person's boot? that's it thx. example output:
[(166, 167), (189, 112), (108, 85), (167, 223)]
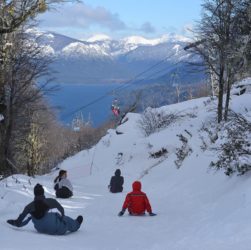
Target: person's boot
[(79, 219)]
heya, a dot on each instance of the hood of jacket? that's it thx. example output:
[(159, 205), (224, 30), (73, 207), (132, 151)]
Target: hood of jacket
[(117, 172), (136, 186)]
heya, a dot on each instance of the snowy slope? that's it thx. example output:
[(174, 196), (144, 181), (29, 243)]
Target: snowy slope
[(197, 209)]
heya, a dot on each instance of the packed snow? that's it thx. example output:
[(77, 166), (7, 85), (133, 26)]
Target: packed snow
[(197, 208)]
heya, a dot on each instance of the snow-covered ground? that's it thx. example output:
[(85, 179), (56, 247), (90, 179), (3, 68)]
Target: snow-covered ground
[(198, 208)]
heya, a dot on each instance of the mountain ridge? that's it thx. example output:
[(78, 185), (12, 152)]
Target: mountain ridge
[(104, 60)]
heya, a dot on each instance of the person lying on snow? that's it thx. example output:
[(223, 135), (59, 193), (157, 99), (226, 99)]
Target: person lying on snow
[(116, 182), (63, 186), (136, 202), (44, 221)]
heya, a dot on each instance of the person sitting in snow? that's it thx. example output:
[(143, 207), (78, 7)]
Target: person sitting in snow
[(44, 221), (63, 186), (116, 182), (136, 202)]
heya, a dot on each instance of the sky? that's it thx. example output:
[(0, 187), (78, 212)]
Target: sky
[(122, 18)]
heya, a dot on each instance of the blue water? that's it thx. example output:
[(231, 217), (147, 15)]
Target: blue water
[(72, 97)]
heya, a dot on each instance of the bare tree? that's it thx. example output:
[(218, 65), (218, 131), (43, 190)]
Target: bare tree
[(223, 36), (15, 13), (26, 63), (190, 93), (32, 147), (177, 88), (18, 70)]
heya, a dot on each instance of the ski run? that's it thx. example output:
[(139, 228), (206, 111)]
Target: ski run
[(197, 208)]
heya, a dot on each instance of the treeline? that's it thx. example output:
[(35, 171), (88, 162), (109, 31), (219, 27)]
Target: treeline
[(31, 139)]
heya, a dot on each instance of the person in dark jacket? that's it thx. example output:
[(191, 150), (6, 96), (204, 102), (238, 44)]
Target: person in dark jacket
[(136, 202), (116, 182), (62, 185), (43, 220)]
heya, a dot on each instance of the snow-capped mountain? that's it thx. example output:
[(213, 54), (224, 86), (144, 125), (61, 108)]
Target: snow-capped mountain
[(78, 49), (78, 61), (97, 37)]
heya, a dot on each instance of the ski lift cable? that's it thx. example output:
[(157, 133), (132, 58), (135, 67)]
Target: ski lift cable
[(124, 85), (120, 87), (153, 74), (142, 73)]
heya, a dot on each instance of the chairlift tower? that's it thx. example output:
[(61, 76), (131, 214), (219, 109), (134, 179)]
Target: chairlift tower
[(78, 122)]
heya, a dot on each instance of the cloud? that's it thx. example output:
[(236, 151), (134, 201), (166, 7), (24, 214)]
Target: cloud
[(147, 28), (81, 15)]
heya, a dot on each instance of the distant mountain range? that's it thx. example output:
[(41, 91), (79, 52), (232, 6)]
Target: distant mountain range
[(103, 60)]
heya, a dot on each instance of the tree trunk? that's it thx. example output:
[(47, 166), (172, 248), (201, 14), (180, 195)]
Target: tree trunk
[(229, 85), (221, 92)]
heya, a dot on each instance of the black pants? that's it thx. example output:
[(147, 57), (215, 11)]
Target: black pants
[(64, 192), (116, 189)]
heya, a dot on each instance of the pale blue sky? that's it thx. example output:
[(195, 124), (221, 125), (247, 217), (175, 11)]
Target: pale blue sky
[(120, 18)]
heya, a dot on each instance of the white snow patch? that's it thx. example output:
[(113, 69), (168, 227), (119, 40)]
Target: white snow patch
[(48, 50), (79, 48), (97, 37), (139, 40), (196, 208)]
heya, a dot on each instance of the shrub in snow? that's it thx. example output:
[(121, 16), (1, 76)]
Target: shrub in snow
[(204, 145), (208, 133), (153, 121), (235, 151), (211, 131), (159, 153), (183, 151)]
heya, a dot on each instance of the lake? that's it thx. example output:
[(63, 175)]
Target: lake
[(72, 97)]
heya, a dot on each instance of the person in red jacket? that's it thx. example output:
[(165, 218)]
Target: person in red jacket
[(136, 202)]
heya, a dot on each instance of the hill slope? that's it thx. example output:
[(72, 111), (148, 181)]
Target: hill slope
[(197, 208)]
